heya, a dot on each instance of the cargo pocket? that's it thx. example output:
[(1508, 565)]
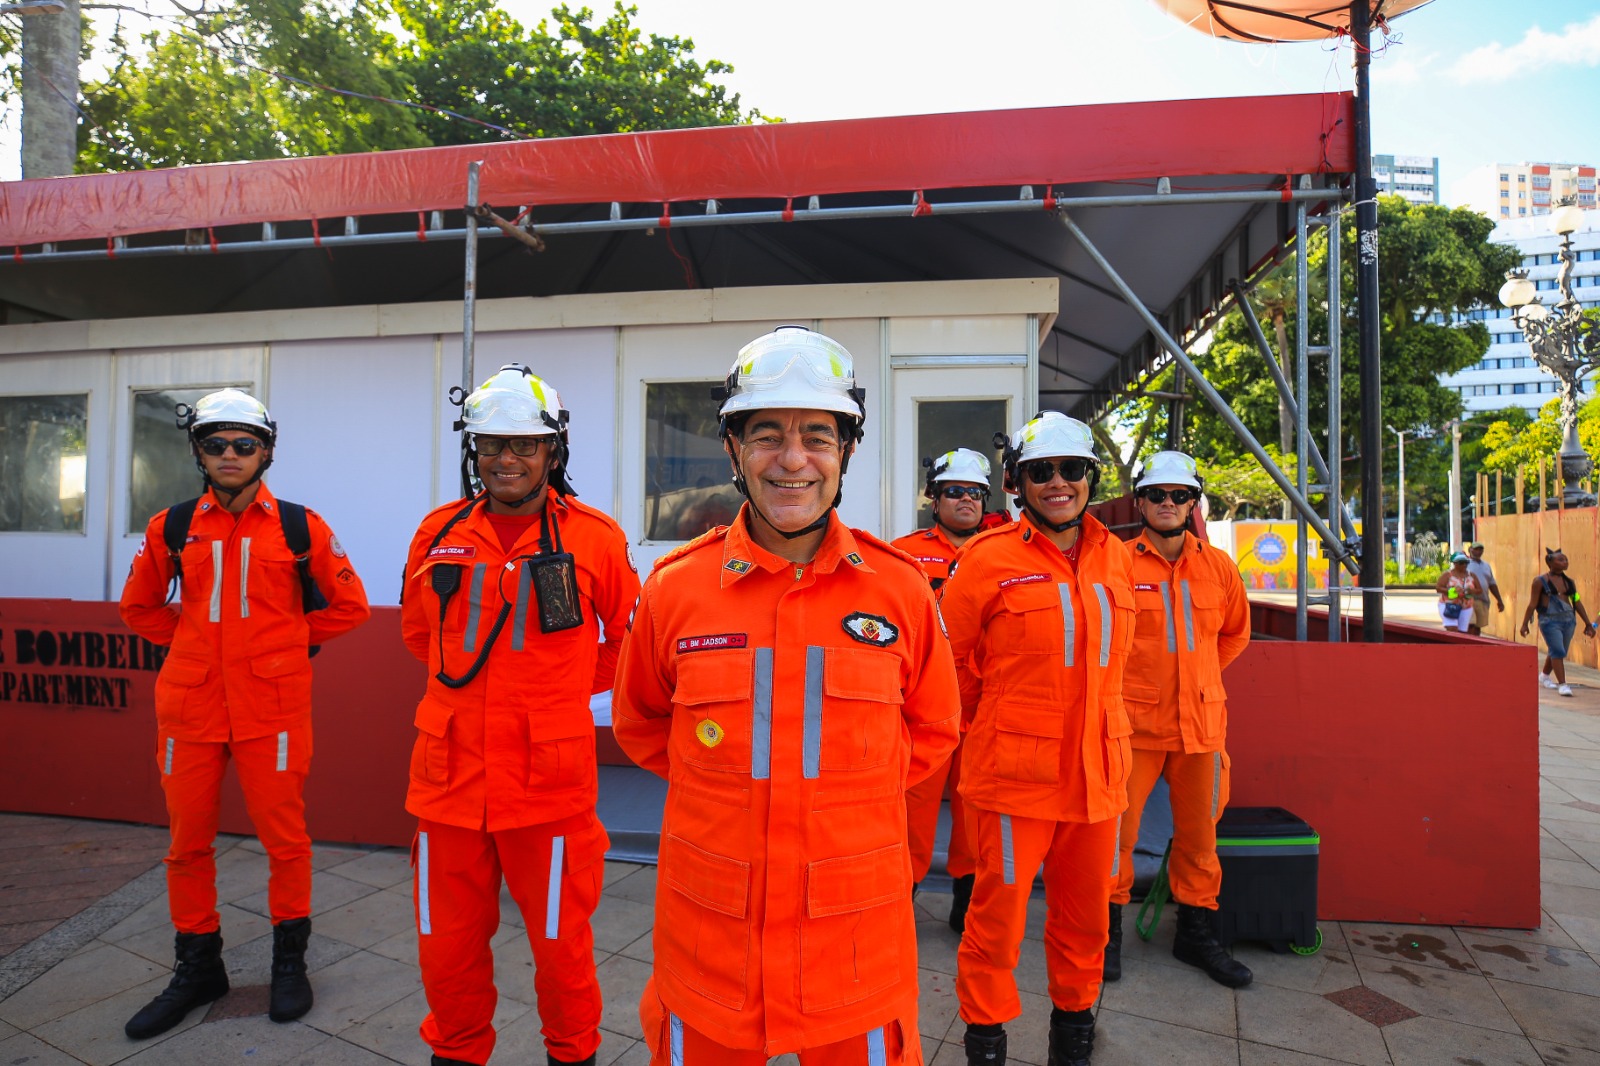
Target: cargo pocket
[(1119, 754), (1027, 742), (850, 947), (1139, 700), (285, 691), (1036, 617), (1213, 711), (702, 937), (715, 689), (430, 756), (560, 752), (178, 689), (861, 716)]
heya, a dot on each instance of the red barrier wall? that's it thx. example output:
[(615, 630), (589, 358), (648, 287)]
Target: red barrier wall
[(1428, 808)]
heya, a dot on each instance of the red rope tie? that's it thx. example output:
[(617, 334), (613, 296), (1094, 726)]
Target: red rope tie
[(1050, 198), (788, 210), (17, 255), (422, 229), (111, 247), (522, 215), (316, 233), (1286, 191), (665, 221), (211, 233), (923, 207)]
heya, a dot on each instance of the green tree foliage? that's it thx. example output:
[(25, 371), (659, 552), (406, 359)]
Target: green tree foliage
[(1517, 440), (1242, 482), (253, 80)]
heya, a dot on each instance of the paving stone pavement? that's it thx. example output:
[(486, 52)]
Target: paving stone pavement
[(1462, 997)]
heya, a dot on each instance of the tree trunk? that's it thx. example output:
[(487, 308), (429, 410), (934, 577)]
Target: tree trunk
[(50, 45), (1285, 423)]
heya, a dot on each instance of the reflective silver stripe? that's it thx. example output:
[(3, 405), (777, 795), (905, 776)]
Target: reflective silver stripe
[(474, 606), (1069, 621), (1105, 623), (877, 1054), (1008, 862), (552, 903), (675, 1041), (1188, 616), (244, 577), (424, 917), (166, 767), (283, 751), (1166, 609), (523, 606), (761, 718), (811, 736), (1116, 856), (216, 581), (1216, 782)]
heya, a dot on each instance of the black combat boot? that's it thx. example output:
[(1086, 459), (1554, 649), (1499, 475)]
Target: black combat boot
[(553, 1061), (1113, 964), (960, 900), (1071, 1037), (985, 1044), (1196, 944), (440, 1060), (198, 978), (291, 992)]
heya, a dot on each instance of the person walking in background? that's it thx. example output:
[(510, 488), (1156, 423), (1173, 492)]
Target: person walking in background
[(1456, 588), (1554, 598), (517, 599), (1480, 569), (260, 580)]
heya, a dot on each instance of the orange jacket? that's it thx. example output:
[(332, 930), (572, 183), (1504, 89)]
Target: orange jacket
[(514, 746), (932, 549), (788, 707), (1048, 736), (239, 666), (1194, 619)]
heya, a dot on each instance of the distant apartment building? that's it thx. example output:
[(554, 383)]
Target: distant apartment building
[(1414, 177), (1507, 376), (1522, 190)]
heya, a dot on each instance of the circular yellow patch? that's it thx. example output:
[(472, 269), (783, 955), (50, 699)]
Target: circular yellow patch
[(709, 732)]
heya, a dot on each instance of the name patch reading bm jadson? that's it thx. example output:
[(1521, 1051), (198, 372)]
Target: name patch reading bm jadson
[(715, 642)]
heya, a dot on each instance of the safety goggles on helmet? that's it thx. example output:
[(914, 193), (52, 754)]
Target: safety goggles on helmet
[(962, 464), (244, 447), (515, 402), (1040, 471), (1169, 468), (1159, 495), (793, 368), (957, 492)]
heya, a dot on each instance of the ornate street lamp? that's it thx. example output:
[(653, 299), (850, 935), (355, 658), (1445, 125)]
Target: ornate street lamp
[(1564, 343)]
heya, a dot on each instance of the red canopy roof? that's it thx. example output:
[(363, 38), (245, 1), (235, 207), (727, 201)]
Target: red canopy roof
[(1039, 146)]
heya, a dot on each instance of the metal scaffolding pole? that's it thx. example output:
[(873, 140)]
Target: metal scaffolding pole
[(1302, 332), (469, 299), (1211, 395), (1334, 475), (1367, 332)]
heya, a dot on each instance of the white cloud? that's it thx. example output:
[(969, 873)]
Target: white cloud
[(1398, 70), (1578, 44)]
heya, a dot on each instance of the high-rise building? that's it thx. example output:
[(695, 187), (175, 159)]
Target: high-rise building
[(1415, 177), (1507, 376), (1522, 190)]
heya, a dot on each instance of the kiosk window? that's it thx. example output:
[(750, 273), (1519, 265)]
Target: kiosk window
[(944, 425), (43, 463), (688, 486), (163, 471)]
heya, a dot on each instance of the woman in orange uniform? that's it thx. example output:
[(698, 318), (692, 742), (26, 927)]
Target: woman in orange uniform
[(236, 685), (508, 596), (1040, 614), (1194, 619), (788, 677)]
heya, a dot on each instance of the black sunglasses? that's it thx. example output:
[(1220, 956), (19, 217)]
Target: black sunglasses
[(242, 446), (1040, 471), (956, 492), (523, 446), (1179, 496)]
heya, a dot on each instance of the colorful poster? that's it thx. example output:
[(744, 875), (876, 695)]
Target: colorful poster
[(1265, 552)]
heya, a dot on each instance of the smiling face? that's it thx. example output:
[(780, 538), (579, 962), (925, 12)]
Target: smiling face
[(1166, 514), (231, 471), (791, 461), (1058, 499), (509, 477)]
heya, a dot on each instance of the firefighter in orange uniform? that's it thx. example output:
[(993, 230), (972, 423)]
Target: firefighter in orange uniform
[(508, 597), (788, 676), (236, 684), (1040, 613), (1194, 619), (958, 486)]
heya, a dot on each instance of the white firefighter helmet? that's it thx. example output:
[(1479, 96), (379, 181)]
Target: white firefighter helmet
[(963, 465), (515, 402), (228, 409), (1051, 435), (1168, 468), (797, 369)]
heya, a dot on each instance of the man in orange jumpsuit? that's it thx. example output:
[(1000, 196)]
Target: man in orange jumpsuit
[(958, 486), (1040, 616), (1194, 619), (508, 596), (236, 684), (788, 676)]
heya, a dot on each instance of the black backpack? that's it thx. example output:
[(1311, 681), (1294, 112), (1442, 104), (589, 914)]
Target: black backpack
[(296, 534)]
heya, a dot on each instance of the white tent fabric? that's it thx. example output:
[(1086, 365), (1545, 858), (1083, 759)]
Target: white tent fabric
[(1277, 20)]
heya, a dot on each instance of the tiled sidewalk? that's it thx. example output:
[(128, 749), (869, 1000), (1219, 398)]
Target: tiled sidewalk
[(1374, 994)]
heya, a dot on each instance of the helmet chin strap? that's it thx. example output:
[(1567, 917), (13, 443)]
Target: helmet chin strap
[(231, 494), (1178, 532), (969, 531), (821, 522), (1058, 527)]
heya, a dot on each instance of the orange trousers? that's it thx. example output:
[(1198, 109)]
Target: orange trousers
[(555, 872), (673, 1043), (1075, 856), (272, 771), (922, 821), (1198, 785)]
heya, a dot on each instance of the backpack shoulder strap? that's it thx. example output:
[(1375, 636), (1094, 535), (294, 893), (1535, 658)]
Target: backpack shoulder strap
[(175, 532), (297, 535)]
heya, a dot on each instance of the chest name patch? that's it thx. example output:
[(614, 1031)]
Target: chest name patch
[(1146, 588), (452, 551), (871, 629), (930, 558), (1025, 579), (714, 642)]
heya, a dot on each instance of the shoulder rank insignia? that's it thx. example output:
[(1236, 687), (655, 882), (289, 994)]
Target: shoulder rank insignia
[(854, 558), (871, 629), (738, 566)]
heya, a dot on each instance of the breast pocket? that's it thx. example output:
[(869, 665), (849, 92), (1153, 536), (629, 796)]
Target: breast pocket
[(1037, 617), (861, 715), (715, 692)]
